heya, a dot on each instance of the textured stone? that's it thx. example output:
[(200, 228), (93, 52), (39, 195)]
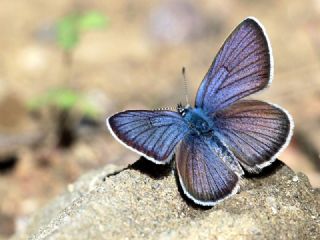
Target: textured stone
[(144, 202)]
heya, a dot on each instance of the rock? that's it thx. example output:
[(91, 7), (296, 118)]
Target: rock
[(144, 202)]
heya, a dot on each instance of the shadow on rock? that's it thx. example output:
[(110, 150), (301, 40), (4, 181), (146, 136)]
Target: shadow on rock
[(156, 171), (267, 171)]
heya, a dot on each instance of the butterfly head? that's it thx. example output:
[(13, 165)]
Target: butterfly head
[(182, 109)]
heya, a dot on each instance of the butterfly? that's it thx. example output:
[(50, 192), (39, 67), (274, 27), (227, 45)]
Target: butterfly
[(223, 134)]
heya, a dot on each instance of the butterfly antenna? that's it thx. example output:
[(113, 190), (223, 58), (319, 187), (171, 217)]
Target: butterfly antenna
[(185, 85)]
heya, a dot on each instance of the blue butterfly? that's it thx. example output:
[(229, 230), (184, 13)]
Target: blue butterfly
[(222, 136)]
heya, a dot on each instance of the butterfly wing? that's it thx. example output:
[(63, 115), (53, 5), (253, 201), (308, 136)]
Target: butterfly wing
[(153, 134), (203, 175), (255, 131), (242, 66)]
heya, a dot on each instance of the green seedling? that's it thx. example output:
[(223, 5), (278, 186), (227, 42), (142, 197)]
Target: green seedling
[(65, 100), (70, 27)]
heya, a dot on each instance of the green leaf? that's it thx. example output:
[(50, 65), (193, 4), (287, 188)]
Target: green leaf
[(92, 20), (69, 27), (61, 98), (65, 98), (68, 34)]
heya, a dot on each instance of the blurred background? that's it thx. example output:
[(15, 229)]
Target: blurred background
[(67, 65)]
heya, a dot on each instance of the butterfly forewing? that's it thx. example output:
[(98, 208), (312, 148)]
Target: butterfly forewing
[(242, 66), (255, 131), (203, 175), (153, 134)]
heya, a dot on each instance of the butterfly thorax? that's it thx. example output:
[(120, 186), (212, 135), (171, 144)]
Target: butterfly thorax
[(197, 120)]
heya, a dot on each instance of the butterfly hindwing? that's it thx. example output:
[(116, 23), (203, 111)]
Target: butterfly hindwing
[(203, 175), (255, 131), (242, 66), (153, 134)]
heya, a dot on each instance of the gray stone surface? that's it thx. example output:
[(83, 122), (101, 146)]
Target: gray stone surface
[(144, 202)]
